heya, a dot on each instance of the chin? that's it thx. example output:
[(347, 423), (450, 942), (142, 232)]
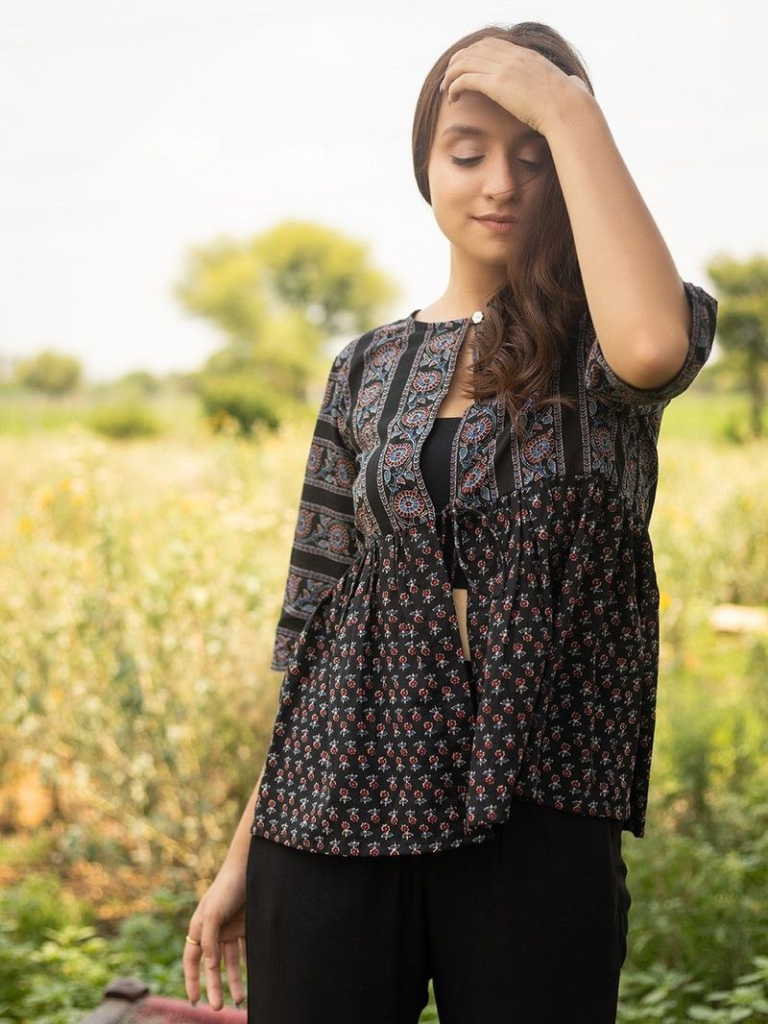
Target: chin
[(492, 252)]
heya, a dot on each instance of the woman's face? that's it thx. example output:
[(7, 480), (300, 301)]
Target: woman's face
[(483, 161)]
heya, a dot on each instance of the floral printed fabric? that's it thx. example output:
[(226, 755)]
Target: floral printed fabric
[(383, 743)]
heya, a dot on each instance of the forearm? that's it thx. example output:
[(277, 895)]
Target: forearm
[(634, 291), (237, 855)]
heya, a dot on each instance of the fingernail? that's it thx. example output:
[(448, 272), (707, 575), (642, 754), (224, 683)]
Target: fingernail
[(194, 1005)]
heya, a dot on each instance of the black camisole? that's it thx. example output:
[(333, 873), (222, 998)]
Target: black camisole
[(434, 463)]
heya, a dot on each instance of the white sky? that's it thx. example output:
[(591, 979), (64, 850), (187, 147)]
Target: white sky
[(133, 130)]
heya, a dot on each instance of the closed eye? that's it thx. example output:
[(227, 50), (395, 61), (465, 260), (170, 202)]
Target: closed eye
[(465, 161)]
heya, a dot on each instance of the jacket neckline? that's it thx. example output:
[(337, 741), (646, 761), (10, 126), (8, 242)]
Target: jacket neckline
[(435, 323)]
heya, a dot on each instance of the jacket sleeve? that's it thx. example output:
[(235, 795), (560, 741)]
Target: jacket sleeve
[(603, 382), (325, 540)]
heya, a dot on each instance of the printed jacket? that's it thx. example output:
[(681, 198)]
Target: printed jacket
[(382, 745)]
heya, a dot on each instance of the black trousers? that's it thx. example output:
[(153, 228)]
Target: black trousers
[(529, 928)]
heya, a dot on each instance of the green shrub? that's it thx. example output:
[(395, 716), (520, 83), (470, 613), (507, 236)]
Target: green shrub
[(123, 420), (50, 372), (55, 962), (239, 398), (141, 381), (37, 903)]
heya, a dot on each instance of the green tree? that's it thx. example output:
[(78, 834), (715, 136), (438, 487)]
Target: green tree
[(742, 325), (50, 372), (141, 381), (324, 275), (278, 297)]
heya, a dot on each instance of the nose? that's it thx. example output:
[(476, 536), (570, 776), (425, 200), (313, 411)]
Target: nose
[(507, 179)]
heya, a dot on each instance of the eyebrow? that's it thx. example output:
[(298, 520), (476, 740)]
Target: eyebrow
[(473, 129)]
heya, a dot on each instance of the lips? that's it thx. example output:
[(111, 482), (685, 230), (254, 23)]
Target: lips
[(497, 226)]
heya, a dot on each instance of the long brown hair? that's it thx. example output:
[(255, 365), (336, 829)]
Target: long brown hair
[(531, 318)]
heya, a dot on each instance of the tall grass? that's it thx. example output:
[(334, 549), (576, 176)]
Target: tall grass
[(139, 589)]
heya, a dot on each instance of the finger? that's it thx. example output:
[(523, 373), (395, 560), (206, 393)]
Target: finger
[(232, 966), (191, 961), (449, 78), (212, 963), (453, 74), (450, 71), (465, 82)]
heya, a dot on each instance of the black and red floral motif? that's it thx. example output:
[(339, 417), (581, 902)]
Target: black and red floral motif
[(383, 744)]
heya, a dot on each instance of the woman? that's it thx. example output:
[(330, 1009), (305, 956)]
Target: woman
[(470, 628)]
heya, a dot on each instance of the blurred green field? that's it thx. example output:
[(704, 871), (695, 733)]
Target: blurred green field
[(140, 584), (23, 413)]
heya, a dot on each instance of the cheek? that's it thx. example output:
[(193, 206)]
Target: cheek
[(452, 184)]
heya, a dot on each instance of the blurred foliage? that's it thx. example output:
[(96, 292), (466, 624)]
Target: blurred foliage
[(50, 372), (139, 588), (742, 328), (243, 399), (142, 382), (54, 963), (277, 298), (127, 419)]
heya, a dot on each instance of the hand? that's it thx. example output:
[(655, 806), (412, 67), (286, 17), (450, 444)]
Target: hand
[(521, 80), (218, 923)]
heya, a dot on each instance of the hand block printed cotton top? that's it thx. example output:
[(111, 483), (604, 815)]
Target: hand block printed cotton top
[(377, 748)]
